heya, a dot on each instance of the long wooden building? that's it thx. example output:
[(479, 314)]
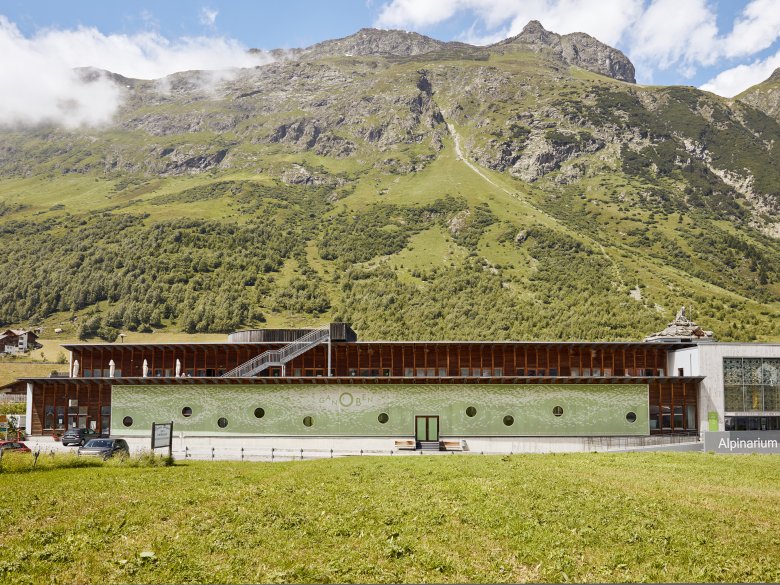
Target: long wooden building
[(326, 384)]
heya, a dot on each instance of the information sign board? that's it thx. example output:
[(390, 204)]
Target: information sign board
[(742, 442), (162, 436)]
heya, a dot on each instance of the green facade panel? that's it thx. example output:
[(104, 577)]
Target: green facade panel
[(355, 409)]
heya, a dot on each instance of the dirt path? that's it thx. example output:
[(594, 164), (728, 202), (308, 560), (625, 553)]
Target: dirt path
[(460, 156)]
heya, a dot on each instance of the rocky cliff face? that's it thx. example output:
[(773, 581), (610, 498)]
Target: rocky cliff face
[(576, 49), (765, 96)]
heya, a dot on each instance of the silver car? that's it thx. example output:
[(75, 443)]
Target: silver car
[(105, 448)]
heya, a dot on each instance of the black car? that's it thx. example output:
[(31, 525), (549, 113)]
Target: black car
[(78, 436), (105, 448)]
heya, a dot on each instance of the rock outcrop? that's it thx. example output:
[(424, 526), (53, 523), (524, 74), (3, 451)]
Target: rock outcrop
[(577, 49), (765, 96)]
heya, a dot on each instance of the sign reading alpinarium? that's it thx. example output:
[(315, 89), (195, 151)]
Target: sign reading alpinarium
[(162, 436), (742, 442)]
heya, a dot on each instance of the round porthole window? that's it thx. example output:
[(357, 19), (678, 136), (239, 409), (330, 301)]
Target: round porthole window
[(631, 417), (509, 420), (308, 421), (128, 421), (558, 411), (186, 411), (383, 418), (471, 411), (259, 413), (222, 422)]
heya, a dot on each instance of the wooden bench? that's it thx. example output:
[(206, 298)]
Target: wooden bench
[(452, 445), (405, 444)]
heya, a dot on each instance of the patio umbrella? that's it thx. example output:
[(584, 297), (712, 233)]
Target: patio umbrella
[(75, 368), (178, 367), (146, 369), (111, 369)]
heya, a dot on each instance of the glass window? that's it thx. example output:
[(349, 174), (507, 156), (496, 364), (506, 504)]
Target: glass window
[(558, 411), (654, 413), (498, 372), (431, 372), (86, 373), (575, 371), (442, 372), (772, 397), (553, 372), (770, 372), (751, 371), (476, 372), (471, 411), (464, 372), (420, 372), (666, 418), (690, 416), (509, 420), (754, 398), (678, 418), (408, 372), (733, 398), (521, 371), (383, 418), (732, 371)]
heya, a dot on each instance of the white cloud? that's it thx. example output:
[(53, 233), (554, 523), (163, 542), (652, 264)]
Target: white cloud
[(607, 20), (737, 79), (675, 32), (658, 35), (756, 29), (208, 16), (38, 83)]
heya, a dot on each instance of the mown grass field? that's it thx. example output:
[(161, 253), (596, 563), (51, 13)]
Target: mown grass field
[(544, 518)]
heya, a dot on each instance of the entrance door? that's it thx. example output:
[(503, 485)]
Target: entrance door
[(426, 428)]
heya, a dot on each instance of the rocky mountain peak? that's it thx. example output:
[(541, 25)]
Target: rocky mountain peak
[(775, 77), (372, 41), (577, 49)]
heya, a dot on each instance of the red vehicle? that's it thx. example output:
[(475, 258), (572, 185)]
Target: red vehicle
[(14, 446)]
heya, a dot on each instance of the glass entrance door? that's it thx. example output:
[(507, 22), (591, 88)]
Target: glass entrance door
[(426, 428)]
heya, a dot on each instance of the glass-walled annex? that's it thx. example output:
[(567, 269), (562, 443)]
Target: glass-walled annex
[(751, 390)]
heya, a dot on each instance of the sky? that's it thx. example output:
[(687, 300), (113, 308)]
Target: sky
[(723, 46)]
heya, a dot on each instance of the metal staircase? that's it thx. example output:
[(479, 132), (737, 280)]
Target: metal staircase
[(279, 357)]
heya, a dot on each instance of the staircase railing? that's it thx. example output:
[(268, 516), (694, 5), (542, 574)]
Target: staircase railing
[(278, 357)]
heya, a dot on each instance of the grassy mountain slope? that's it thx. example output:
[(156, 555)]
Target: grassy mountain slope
[(460, 193)]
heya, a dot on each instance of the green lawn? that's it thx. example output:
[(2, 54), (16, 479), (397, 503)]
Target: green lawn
[(553, 518)]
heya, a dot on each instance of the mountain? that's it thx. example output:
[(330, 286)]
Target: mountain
[(415, 188), (576, 49), (765, 96)]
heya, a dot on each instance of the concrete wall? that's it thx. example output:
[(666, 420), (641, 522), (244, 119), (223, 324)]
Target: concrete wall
[(346, 410)]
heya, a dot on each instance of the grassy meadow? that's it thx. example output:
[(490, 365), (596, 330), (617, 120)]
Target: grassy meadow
[(676, 517)]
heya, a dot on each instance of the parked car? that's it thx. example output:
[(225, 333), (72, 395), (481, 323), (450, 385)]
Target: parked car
[(78, 436), (14, 446), (105, 448)]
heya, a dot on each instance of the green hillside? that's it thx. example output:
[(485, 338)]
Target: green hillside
[(494, 193), (601, 518)]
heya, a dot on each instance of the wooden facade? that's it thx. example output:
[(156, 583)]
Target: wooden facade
[(383, 359)]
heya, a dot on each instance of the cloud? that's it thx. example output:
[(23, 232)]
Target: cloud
[(658, 35), (208, 16), (756, 29), (38, 82), (607, 20), (678, 33), (732, 81)]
